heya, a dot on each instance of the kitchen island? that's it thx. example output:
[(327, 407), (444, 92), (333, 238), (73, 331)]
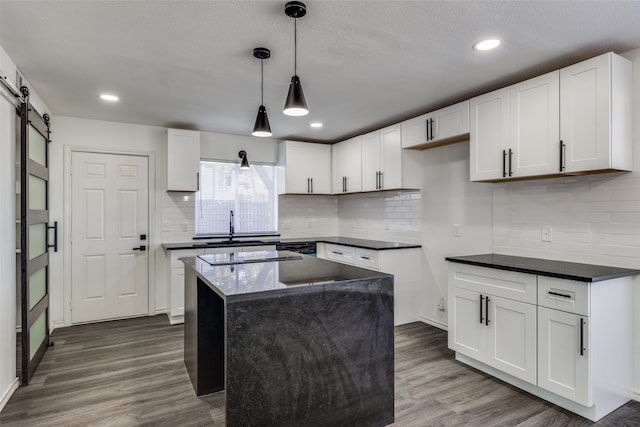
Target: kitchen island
[(291, 339)]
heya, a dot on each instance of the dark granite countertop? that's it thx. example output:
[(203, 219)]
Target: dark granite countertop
[(376, 245), (239, 281), (545, 267)]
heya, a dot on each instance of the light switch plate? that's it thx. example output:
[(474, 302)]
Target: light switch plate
[(456, 230), (547, 233)]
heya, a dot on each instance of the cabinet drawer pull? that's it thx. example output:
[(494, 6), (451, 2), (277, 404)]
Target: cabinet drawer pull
[(337, 253), (486, 311), (365, 257), (581, 336), (504, 163), (559, 294), (481, 316)]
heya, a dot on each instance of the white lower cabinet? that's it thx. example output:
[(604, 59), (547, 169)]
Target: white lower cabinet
[(572, 344), (496, 331), (176, 274), (404, 264), (563, 344)]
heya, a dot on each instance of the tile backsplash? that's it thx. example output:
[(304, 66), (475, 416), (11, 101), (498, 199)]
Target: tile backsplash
[(391, 216), (592, 219), (178, 216), (307, 216)]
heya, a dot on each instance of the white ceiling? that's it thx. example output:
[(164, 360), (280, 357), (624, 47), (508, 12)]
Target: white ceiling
[(363, 64)]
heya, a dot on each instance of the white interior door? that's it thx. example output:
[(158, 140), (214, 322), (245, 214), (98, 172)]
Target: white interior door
[(109, 227)]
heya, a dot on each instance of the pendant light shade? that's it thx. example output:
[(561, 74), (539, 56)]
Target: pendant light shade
[(296, 104), (261, 127)]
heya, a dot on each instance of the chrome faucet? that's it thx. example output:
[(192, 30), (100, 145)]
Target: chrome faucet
[(231, 225)]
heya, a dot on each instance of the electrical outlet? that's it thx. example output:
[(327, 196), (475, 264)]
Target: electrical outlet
[(456, 230), (166, 226), (547, 233), (441, 305)]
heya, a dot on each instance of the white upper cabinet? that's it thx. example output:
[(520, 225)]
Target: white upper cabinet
[(183, 160), (449, 124), (304, 168), (595, 114), (575, 120), (514, 131), (346, 166), (385, 166), (489, 136), (371, 161), (534, 126)]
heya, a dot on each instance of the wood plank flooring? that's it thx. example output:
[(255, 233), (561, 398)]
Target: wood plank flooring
[(130, 373)]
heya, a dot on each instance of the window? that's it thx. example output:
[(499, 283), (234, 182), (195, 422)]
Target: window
[(250, 193)]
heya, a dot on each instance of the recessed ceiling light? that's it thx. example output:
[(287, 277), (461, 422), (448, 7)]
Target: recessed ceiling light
[(486, 44), (316, 125), (108, 97)]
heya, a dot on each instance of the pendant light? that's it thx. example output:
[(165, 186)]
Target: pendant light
[(295, 104), (261, 127)]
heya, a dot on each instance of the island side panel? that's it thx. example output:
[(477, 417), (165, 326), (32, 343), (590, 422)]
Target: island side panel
[(203, 335), (320, 357)]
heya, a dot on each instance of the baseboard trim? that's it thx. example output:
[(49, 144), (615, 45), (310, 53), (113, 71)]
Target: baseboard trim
[(635, 395), (7, 395), (435, 323), (57, 324)]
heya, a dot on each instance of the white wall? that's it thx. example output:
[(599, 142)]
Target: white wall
[(8, 274), (69, 133), (448, 198), (594, 219), (7, 251)]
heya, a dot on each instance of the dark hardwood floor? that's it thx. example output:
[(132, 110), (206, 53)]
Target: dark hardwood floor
[(130, 372)]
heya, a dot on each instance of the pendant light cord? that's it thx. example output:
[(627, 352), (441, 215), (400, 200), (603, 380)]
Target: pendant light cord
[(295, 46), (261, 81)]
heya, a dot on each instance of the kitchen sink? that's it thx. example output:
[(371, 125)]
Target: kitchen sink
[(249, 257)]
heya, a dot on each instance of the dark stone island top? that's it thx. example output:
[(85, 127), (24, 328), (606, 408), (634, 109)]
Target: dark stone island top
[(376, 245), (243, 274), (293, 340), (545, 267)]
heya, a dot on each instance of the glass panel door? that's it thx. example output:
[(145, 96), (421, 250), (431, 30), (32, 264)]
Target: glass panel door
[(34, 235)]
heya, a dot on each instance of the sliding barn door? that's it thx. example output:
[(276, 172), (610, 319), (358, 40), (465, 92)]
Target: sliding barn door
[(34, 218)]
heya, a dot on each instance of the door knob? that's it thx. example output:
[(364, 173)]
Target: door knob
[(141, 248)]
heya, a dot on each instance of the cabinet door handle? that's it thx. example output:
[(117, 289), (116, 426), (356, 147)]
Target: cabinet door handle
[(486, 311), (197, 181), (510, 158), (504, 163), (308, 185), (559, 294), (345, 184), (481, 316), (426, 123), (561, 156), (381, 181), (377, 180), (311, 184), (581, 336)]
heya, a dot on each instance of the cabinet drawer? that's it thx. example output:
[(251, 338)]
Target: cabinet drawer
[(367, 258), (566, 295), (502, 283), (344, 254), (177, 254)]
